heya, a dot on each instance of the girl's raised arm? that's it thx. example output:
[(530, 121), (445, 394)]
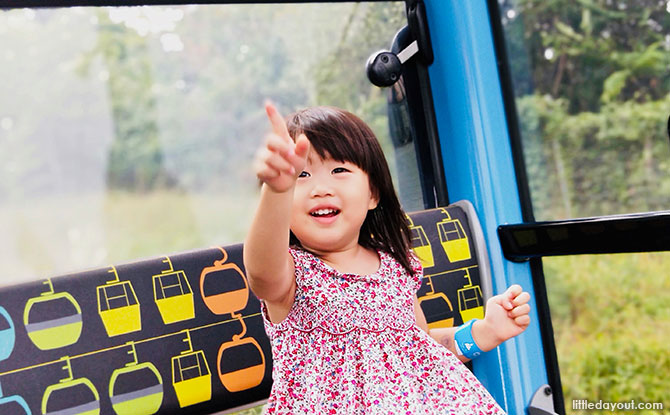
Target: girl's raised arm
[(278, 163)]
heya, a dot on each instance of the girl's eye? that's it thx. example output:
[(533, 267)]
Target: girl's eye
[(303, 174), (340, 170)]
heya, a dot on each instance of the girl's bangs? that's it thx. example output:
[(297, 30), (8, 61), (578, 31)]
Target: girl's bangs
[(334, 134)]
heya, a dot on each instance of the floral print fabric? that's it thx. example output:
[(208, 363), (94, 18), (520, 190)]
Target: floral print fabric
[(350, 345)]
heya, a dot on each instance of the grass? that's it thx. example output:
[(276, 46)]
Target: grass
[(611, 318)]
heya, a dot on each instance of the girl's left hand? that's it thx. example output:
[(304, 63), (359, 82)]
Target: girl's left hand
[(507, 313)]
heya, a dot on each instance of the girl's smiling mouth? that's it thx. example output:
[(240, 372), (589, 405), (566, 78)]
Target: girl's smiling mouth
[(324, 214)]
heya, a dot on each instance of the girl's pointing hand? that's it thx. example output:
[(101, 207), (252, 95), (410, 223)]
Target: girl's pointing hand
[(279, 161)]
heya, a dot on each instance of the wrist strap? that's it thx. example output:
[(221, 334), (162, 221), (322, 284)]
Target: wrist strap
[(465, 343)]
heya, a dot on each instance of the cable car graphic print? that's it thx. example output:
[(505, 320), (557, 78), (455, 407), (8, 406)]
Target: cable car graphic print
[(225, 291), (13, 405), (173, 295), (137, 388), (7, 335), (52, 320), (118, 306), (191, 378), (71, 396), (453, 238)]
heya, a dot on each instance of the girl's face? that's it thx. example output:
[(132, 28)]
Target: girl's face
[(330, 203)]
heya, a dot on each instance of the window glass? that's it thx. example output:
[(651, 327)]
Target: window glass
[(592, 92), (611, 326), (592, 87), (129, 132)]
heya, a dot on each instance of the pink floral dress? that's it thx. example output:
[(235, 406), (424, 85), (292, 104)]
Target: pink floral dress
[(350, 345)]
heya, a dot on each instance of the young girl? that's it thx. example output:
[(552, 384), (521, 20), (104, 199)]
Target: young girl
[(328, 254)]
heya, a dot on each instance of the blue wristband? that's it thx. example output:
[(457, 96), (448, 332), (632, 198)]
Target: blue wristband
[(465, 343)]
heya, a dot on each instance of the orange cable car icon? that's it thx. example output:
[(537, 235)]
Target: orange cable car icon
[(437, 308), (191, 378), (421, 244), (7, 335), (216, 283), (173, 295), (137, 388), (118, 306), (71, 396), (470, 300), (52, 320), (14, 405), (453, 238), (232, 357)]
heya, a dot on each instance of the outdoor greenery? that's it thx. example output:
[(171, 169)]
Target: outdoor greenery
[(592, 80), (139, 142)]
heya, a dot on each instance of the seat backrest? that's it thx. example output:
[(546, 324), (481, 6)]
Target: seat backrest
[(181, 334)]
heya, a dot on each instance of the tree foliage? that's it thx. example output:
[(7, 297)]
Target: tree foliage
[(592, 82)]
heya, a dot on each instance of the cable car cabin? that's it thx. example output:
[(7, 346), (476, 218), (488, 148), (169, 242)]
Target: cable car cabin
[(127, 133)]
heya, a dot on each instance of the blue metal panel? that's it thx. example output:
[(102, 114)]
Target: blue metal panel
[(479, 167)]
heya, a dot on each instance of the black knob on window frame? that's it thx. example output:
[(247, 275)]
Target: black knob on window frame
[(383, 68)]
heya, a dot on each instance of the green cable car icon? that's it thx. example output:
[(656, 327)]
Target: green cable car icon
[(7, 335), (137, 388), (470, 300), (52, 320), (191, 378), (118, 306), (173, 295), (71, 396), (421, 244), (13, 405), (453, 238)]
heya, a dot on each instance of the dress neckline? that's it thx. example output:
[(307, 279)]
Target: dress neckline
[(382, 262)]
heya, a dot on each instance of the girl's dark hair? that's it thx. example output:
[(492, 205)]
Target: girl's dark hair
[(342, 136)]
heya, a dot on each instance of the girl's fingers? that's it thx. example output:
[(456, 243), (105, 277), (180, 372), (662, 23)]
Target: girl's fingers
[(279, 164), (277, 121), (522, 298), (267, 174), (509, 295), (519, 311), (302, 146), (277, 144), (522, 320)]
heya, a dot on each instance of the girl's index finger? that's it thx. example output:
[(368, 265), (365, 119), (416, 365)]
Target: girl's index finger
[(278, 123)]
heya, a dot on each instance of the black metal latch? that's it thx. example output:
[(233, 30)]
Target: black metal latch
[(384, 68)]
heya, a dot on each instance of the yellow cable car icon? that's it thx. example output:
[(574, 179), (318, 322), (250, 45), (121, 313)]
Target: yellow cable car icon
[(71, 396), (173, 295), (191, 378), (234, 372), (118, 306), (453, 238), (470, 300), (7, 335), (437, 308), (52, 320), (14, 405), (137, 388), (216, 283), (421, 244)]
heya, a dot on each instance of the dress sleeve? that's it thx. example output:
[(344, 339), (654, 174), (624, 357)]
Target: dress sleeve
[(301, 264)]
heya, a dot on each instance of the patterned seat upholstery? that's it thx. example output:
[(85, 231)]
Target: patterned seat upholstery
[(182, 334)]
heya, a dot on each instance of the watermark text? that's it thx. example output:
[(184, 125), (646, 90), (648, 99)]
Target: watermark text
[(631, 405)]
